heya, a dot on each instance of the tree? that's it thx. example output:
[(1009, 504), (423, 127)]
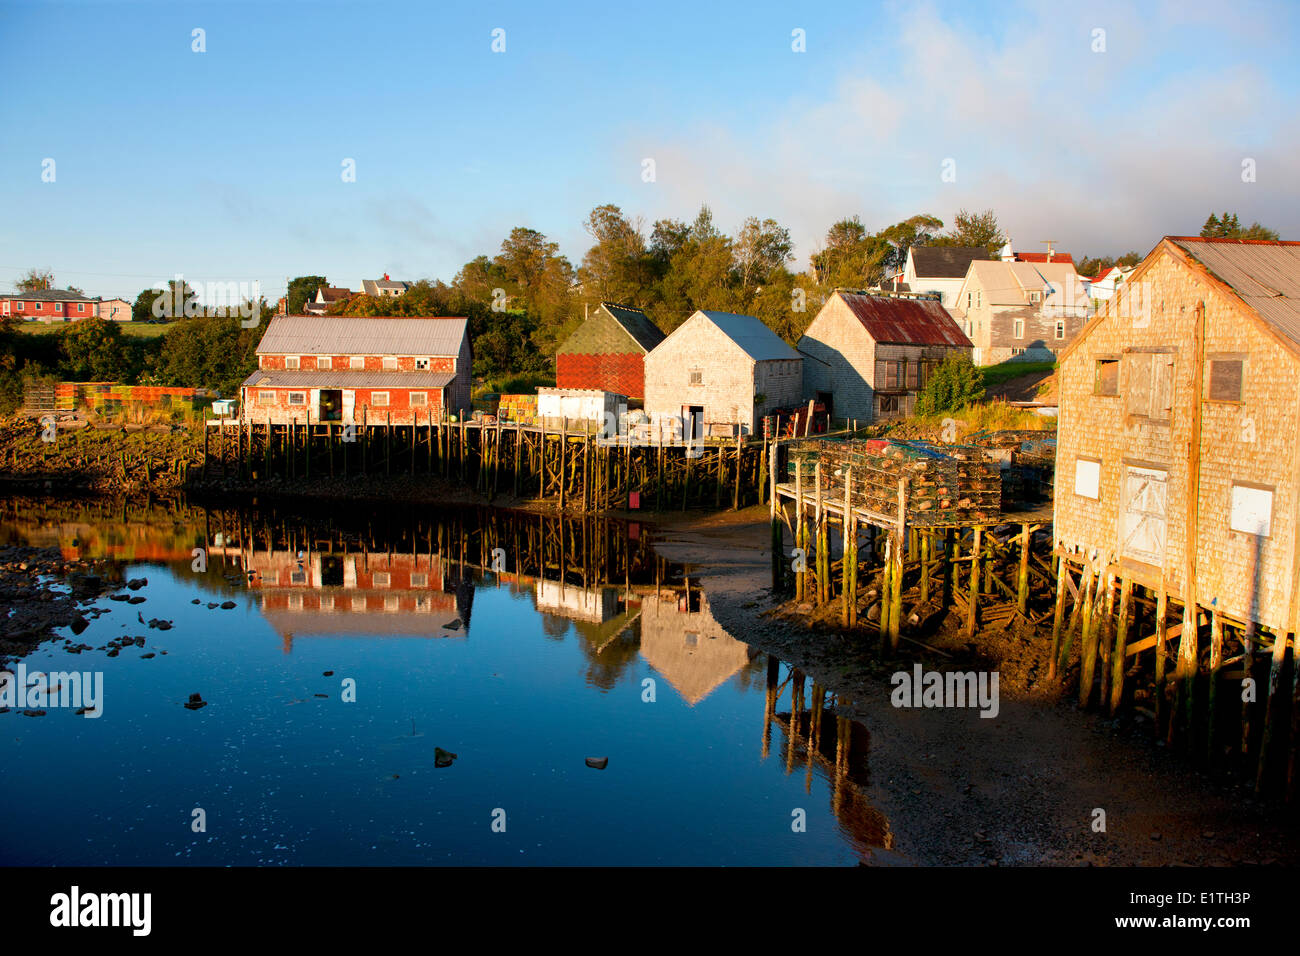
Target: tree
[(301, 290), (761, 247), (179, 300), (974, 229), (916, 231), (34, 279), (211, 351), (1229, 227), (851, 257), (93, 350), (955, 384), (617, 268)]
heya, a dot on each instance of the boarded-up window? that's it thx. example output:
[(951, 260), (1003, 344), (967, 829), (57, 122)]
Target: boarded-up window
[(357, 361), (1087, 478), (913, 374), (1252, 510), (390, 362), (1225, 380), (697, 376), (1149, 385), (1144, 519), (889, 374), (1107, 377)]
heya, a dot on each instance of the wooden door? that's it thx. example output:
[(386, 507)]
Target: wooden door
[(1144, 521)]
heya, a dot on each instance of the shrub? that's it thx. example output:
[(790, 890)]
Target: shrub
[(953, 385)]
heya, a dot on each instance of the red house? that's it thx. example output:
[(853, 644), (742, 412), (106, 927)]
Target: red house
[(48, 305), (376, 371), (608, 351)]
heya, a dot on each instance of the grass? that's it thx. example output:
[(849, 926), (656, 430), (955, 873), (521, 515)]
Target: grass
[(995, 375), (139, 330), (521, 384)]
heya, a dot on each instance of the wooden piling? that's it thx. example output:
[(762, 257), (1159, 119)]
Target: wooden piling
[(1121, 642)]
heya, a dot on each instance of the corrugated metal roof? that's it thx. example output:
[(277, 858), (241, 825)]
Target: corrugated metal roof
[(324, 378), (944, 262), (636, 323), (904, 321), (345, 335), (754, 338), (1266, 275)]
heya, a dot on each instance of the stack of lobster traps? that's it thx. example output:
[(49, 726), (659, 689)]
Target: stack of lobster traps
[(945, 485), (1028, 462)]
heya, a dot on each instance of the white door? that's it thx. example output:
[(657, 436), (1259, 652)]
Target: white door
[(1144, 523), (349, 401)]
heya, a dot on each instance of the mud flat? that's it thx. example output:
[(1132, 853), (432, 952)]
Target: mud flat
[(1021, 788)]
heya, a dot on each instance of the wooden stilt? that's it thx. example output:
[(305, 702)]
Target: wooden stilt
[(972, 612), (1022, 581), (1058, 615), (1216, 664), (1272, 707), (1117, 656)]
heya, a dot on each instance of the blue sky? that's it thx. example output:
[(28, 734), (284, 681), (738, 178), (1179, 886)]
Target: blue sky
[(225, 165)]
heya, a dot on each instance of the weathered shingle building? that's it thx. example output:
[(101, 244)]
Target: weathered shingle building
[(1177, 463), (866, 356), (354, 370), (607, 352), (1011, 309), (938, 269), (721, 372)]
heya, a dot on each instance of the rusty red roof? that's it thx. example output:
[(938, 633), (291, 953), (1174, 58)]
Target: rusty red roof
[(1042, 257), (899, 321)]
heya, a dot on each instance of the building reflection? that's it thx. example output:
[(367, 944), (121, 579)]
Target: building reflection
[(819, 741)]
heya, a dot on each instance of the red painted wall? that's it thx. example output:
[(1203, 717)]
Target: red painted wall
[(624, 374), (374, 363), (51, 310)]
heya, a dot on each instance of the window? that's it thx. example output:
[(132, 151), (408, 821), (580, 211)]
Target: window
[(298, 576), (390, 362), (1060, 329), (1252, 509), (1149, 385), (979, 296), (357, 361), (697, 376), (381, 579), (297, 398), (1225, 379), (20, 306), (81, 307), (968, 299), (1106, 381), (379, 399), (58, 306), (324, 361), (266, 398), (1035, 296), (291, 361), (420, 399), (1020, 328), (913, 374), (1087, 477), (887, 403), (422, 365), (1017, 351), (420, 580)]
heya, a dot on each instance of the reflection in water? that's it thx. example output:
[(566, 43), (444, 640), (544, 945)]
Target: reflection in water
[(493, 690)]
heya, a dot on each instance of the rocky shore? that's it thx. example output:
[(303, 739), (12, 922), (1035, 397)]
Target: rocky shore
[(41, 591)]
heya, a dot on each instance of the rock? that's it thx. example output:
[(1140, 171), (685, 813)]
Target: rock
[(113, 652), (135, 599), (136, 584), (119, 597), (227, 605), (33, 713), (442, 758), (212, 605), (327, 674), (453, 626), (873, 612), (195, 702), (146, 656), (322, 695), (1155, 835), (597, 763), (196, 601)]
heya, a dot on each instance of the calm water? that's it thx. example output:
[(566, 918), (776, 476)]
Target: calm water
[(522, 673)]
